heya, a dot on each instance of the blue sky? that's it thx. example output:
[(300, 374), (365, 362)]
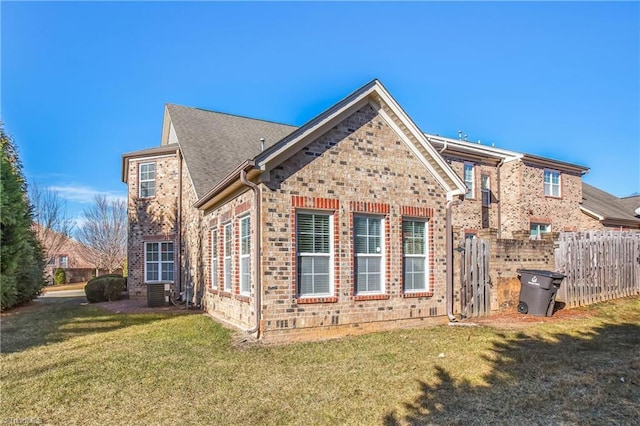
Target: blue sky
[(83, 83)]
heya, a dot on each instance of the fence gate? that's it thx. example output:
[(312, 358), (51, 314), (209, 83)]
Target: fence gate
[(475, 295)]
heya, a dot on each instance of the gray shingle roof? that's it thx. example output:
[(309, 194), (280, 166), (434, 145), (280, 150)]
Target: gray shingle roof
[(214, 143), (172, 147), (631, 203), (607, 205)]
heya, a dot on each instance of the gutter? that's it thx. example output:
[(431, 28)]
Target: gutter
[(591, 213), (231, 177), (449, 243), (256, 245)]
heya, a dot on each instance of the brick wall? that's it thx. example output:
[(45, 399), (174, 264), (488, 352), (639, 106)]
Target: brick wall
[(523, 201), (506, 257), (230, 306), (361, 164), (150, 219), (470, 216), (193, 267)]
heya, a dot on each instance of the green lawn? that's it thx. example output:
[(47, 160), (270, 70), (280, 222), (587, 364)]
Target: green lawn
[(67, 363)]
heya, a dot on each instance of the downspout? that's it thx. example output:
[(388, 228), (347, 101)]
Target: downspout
[(444, 147), (256, 245), (449, 243), (499, 201), (179, 228)]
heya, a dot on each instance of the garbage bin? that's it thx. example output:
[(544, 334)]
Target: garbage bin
[(538, 291)]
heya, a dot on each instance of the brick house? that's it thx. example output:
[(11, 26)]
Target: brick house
[(515, 193), (345, 224), (66, 253)]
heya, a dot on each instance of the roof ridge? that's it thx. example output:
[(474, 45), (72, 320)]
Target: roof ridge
[(233, 115)]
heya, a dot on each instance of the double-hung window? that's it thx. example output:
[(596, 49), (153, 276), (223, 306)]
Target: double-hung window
[(313, 231), (147, 180), (414, 246), (551, 183), (469, 180), (159, 258), (227, 256), (485, 186), (368, 254), (245, 250), (214, 259), (537, 229), (64, 261)]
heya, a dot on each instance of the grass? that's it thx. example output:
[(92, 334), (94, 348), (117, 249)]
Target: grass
[(68, 363)]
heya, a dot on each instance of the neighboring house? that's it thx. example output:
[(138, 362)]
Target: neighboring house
[(67, 254), (343, 224), (606, 211), (515, 193)]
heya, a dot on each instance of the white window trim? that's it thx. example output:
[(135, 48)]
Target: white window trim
[(471, 195), (214, 259), (551, 184), (140, 180), (380, 255), (425, 256), (160, 262), (330, 255), (227, 277), (241, 256), (538, 236)]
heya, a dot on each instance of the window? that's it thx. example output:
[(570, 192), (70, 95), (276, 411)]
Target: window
[(469, 180), (52, 260), (64, 261), (551, 183), (537, 229), (414, 246), (368, 254), (485, 186), (147, 180), (245, 250), (313, 231), (227, 257), (214, 259), (159, 259)]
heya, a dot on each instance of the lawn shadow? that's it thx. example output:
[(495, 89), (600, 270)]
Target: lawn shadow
[(53, 320), (591, 378)]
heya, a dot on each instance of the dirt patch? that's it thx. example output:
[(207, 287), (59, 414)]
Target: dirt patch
[(139, 306), (514, 320), (64, 287)]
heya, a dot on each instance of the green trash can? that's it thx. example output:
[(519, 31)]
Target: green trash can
[(538, 289)]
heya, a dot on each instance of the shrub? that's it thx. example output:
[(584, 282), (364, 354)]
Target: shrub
[(104, 288), (60, 277)]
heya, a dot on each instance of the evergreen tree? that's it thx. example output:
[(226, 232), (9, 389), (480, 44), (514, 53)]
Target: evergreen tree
[(21, 256)]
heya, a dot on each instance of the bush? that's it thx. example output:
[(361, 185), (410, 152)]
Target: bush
[(104, 288), (60, 277)]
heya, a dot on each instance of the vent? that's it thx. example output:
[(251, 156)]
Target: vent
[(155, 295), (433, 312)]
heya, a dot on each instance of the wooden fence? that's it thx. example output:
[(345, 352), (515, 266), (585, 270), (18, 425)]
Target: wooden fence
[(599, 265), (475, 294)]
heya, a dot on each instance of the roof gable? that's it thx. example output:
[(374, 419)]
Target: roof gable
[(375, 94)]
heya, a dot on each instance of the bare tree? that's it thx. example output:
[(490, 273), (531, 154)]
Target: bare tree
[(104, 232), (51, 224)]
